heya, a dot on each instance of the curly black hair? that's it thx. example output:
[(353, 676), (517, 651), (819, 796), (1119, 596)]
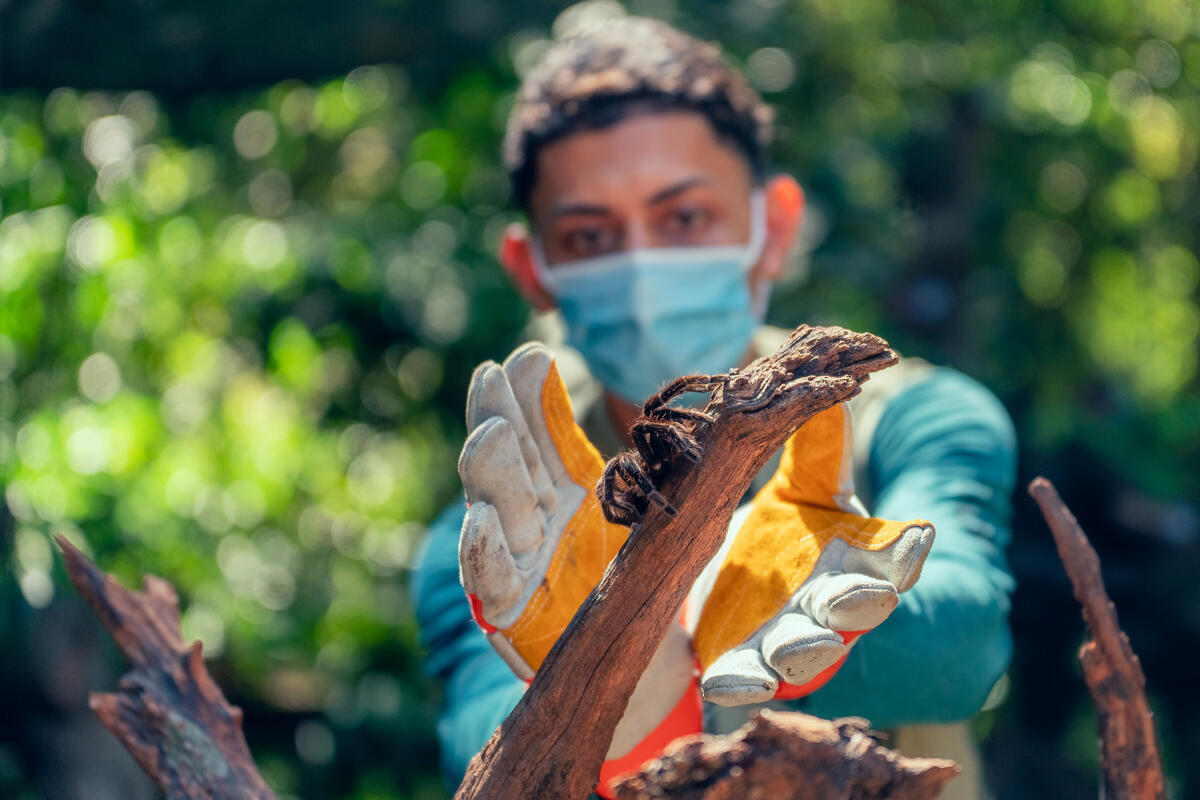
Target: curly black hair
[(598, 77)]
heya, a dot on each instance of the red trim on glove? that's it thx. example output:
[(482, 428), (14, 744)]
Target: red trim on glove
[(686, 718), (790, 691), (477, 614)]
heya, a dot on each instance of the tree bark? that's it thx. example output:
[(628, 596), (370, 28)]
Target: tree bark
[(554, 742), (1129, 759), (788, 756), (169, 713)]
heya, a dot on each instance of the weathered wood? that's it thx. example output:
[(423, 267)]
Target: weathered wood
[(1129, 759), (169, 713), (554, 741), (788, 756)]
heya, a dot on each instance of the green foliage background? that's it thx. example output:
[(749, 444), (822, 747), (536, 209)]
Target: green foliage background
[(236, 329)]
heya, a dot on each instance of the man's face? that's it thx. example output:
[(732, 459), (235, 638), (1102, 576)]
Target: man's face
[(654, 179)]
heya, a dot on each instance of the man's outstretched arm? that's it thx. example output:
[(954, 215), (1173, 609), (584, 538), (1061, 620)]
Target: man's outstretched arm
[(943, 449)]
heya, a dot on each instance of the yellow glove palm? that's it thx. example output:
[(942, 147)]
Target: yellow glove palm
[(806, 572)]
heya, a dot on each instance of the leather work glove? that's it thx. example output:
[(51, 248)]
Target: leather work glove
[(535, 543), (777, 610)]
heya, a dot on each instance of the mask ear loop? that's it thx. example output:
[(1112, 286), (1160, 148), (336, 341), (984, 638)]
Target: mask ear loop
[(542, 272), (754, 249)]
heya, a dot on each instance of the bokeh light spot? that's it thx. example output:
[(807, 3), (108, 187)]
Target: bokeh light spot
[(270, 193), (771, 69), (92, 242), (1042, 277), (423, 185), (444, 316), (37, 587), (255, 134), (1159, 61), (1131, 198), (109, 140), (99, 378), (1128, 91), (314, 742), (1063, 186), (88, 450), (265, 245)]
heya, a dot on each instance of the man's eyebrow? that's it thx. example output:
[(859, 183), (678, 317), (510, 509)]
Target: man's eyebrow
[(578, 209), (593, 209), (671, 191)]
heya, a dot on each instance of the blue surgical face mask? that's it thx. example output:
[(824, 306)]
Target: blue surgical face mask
[(643, 317)]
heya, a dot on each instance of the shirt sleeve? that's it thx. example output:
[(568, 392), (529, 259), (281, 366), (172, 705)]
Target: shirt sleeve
[(480, 689), (944, 450)]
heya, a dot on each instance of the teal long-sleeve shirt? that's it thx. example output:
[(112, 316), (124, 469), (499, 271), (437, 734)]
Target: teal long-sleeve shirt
[(944, 450)]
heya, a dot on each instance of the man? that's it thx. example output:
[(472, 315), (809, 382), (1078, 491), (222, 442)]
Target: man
[(639, 157)]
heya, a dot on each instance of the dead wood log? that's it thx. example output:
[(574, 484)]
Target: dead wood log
[(1129, 759), (788, 756), (553, 743), (169, 713)]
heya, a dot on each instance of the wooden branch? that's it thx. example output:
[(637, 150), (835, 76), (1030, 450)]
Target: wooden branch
[(554, 741), (1129, 752), (169, 713), (788, 756)]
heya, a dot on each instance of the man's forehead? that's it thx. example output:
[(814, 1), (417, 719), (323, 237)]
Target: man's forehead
[(639, 159)]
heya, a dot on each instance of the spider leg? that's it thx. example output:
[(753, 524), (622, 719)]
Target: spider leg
[(763, 395), (660, 443), (672, 414), (644, 441), (634, 473), (683, 443), (688, 383)]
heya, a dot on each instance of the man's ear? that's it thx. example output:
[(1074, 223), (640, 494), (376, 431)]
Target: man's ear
[(516, 257), (785, 212)]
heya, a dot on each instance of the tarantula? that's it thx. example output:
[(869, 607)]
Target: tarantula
[(663, 433)]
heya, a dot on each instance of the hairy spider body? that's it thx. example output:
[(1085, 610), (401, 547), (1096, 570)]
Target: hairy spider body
[(663, 433)]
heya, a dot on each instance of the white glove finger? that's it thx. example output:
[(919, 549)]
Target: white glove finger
[(494, 472), (738, 677), (527, 368), (847, 601), (899, 563), (490, 395), (486, 567), (800, 649)]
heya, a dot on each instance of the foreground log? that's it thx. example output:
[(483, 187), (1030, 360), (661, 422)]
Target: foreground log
[(169, 713), (554, 741), (788, 756), (1128, 749)]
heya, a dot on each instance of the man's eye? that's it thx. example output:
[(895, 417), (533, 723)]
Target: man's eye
[(589, 241), (687, 220)]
